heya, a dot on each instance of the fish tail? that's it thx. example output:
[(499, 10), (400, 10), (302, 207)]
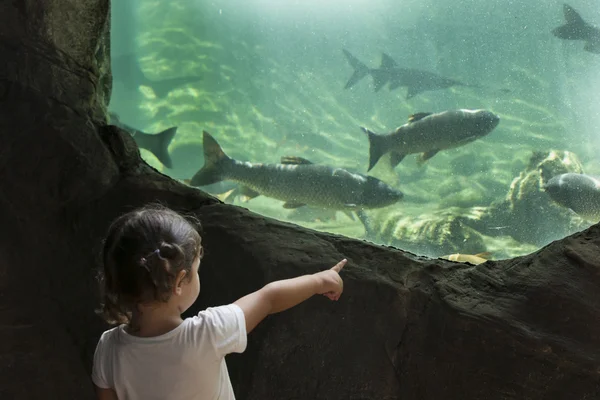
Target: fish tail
[(161, 89), (380, 78), (360, 69), (159, 145), (215, 161), (377, 147), (574, 26)]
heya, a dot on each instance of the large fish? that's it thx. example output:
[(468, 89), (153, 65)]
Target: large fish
[(296, 181), (576, 28), (428, 133), (157, 144), (579, 192), (416, 81)]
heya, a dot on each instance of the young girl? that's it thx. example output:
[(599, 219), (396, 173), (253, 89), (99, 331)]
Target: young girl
[(151, 258)]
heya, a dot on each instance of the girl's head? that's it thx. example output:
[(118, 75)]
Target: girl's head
[(150, 255)]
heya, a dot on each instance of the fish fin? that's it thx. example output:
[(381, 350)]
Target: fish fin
[(341, 173), (233, 193), (292, 204), (395, 84), (380, 78), (382, 75), (224, 197), (571, 16), (350, 205), (367, 224), (158, 145), (360, 69), (574, 26), (293, 160), (426, 156), (592, 47), (165, 138), (377, 147), (396, 158), (214, 161), (412, 92), (387, 62), (350, 214), (486, 255), (248, 192), (418, 116)]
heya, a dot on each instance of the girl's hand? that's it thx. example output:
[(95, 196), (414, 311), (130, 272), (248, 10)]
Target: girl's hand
[(331, 284)]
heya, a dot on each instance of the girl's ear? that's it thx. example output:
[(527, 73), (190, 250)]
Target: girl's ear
[(179, 282)]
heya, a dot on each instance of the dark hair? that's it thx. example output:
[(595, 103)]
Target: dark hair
[(143, 252)]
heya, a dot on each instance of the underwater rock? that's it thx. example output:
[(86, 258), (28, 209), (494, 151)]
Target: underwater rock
[(472, 196), (432, 234), (476, 189), (527, 213), (524, 328)]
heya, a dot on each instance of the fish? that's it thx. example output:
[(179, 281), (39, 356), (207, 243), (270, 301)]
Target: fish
[(296, 181), (416, 81), (429, 133), (127, 71), (223, 188), (576, 28), (578, 192), (475, 259), (157, 144)]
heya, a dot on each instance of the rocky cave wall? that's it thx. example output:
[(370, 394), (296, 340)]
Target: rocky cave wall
[(406, 327)]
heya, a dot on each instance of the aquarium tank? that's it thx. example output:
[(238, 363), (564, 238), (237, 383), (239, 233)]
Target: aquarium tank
[(464, 129)]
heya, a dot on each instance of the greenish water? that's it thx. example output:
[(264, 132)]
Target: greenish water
[(273, 76)]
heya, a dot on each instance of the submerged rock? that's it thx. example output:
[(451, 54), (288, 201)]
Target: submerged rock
[(527, 213), (432, 234)]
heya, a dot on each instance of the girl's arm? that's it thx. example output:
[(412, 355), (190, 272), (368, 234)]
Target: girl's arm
[(280, 295)]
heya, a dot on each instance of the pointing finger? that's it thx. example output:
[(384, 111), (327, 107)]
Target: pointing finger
[(338, 267)]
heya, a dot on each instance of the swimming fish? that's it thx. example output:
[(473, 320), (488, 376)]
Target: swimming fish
[(429, 133), (475, 259), (416, 81), (296, 181), (576, 28), (157, 144), (579, 192)]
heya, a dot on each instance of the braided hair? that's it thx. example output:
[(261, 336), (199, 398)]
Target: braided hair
[(144, 251)]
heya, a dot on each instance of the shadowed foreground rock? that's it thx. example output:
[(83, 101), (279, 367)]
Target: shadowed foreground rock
[(405, 328)]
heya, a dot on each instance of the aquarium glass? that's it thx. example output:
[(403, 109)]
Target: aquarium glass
[(288, 90)]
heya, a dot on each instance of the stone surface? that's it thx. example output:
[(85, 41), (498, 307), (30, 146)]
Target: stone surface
[(433, 234), (405, 328), (527, 213)]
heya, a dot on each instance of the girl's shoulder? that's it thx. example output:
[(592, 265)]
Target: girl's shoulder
[(110, 335)]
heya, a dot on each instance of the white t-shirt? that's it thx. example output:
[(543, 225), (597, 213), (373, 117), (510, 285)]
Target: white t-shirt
[(183, 364)]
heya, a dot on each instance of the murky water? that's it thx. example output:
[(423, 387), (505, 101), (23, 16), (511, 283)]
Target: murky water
[(266, 79)]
